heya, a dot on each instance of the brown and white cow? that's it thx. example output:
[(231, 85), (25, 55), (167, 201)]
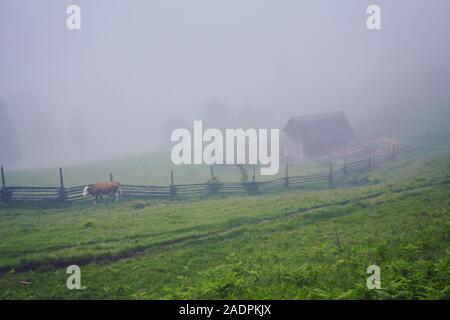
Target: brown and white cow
[(101, 189)]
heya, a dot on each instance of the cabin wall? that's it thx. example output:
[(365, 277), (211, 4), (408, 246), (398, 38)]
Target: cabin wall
[(290, 149), (325, 149)]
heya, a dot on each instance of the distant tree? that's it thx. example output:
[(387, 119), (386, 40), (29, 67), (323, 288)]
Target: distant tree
[(169, 125), (79, 134), (8, 139), (78, 130), (216, 114)]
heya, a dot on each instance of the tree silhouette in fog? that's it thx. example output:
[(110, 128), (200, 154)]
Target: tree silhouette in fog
[(8, 139)]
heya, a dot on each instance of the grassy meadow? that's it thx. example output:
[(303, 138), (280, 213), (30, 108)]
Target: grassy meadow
[(297, 244)]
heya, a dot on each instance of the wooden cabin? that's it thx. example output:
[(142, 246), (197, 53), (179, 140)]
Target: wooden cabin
[(316, 136)]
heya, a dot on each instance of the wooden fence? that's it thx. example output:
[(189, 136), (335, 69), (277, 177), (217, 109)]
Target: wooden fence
[(173, 191)]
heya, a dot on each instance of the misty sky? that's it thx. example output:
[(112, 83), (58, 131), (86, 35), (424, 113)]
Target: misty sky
[(138, 69)]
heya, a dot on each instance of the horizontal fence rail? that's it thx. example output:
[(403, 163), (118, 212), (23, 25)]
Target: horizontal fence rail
[(69, 194)]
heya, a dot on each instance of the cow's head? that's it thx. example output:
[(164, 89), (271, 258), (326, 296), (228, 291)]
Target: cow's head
[(85, 191)]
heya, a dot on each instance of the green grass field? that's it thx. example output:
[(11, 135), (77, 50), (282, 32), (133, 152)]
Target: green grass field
[(288, 245)]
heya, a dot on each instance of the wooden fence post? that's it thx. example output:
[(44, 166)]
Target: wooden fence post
[(3, 177), (62, 191), (111, 177), (253, 186), (393, 153), (173, 187), (254, 174), (345, 166), (61, 179), (331, 173), (213, 184), (373, 157), (286, 175), (3, 190)]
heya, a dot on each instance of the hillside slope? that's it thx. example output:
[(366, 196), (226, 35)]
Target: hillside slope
[(290, 245)]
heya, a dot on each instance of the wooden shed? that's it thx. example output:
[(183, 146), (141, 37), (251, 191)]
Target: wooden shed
[(316, 136)]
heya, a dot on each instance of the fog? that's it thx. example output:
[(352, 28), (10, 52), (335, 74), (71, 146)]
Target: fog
[(139, 69)]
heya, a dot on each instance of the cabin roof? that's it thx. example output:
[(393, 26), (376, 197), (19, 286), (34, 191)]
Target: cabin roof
[(320, 128)]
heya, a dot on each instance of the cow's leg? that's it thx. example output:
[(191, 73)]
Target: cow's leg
[(95, 200), (116, 196), (101, 198)]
